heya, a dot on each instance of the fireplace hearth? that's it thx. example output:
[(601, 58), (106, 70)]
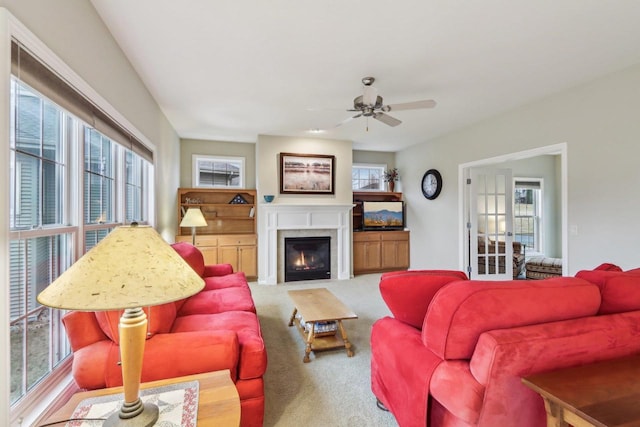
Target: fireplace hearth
[(307, 258)]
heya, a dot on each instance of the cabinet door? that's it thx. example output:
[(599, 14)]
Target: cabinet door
[(229, 255), (366, 256), (395, 254), (248, 260), (210, 255)]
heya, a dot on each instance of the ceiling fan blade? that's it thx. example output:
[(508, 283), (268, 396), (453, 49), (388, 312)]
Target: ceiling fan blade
[(347, 120), (387, 119), (427, 103)]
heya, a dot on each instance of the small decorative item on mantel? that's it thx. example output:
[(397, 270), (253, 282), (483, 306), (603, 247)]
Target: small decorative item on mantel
[(391, 176)]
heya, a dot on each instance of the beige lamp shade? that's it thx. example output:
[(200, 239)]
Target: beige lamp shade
[(193, 218), (131, 267)]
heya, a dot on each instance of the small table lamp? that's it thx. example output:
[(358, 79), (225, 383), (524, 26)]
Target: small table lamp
[(193, 218), (131, 268)]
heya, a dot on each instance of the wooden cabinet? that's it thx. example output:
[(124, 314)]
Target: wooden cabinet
[(377, 251), (230, 235)]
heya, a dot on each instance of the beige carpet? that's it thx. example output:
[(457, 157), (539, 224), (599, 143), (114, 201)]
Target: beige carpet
[(333, 389)]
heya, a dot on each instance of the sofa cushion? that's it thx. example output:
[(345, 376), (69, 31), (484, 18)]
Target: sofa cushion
[(191, 255), (620, 290), (253, 356), (408, 294), (461, 311), (232, 280), (620, 294), (218, 301), (159, 320)]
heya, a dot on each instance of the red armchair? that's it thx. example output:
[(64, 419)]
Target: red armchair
[(215, 329)]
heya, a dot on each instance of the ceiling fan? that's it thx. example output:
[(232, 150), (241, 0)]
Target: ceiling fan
[(370, 104)]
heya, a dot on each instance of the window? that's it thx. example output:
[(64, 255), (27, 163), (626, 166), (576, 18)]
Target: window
[(219, 171), (527, 213), (41, 244), (53, 153), (367, 177)]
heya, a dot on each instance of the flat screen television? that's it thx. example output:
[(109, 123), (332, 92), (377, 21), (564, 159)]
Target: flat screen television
[(382, 215)]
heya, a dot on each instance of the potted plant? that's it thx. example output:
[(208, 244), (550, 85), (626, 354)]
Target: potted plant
[(391, 176)]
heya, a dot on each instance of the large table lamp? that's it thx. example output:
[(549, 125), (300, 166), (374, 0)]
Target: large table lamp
[(131, 268), (193, 218)]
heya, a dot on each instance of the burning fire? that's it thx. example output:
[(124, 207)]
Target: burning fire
[(301, 263)]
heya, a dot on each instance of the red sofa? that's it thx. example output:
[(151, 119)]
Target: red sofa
[(215, 329), (455, 350)]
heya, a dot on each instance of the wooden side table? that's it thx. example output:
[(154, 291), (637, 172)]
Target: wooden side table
[(602, 394), (218, 401)]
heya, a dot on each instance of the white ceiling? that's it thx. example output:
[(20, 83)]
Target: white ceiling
[(230, 70)]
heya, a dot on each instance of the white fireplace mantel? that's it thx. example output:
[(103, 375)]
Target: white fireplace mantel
[(280, 216)]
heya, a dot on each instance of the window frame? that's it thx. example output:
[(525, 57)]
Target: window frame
[(58, 384), (382, 167), (538, 215), (197, 159)]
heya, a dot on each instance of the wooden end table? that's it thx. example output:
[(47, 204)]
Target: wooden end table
[(602, 394), (218, 401), (320, 305)]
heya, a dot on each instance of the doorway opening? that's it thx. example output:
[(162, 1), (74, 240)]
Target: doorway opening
[(555, 204)]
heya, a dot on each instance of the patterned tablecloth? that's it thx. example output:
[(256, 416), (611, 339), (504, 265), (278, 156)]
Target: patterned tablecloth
[(178, 404)]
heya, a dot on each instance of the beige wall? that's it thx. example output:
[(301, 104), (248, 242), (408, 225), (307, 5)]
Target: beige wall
[(189, 147), (267, 167), (599, 123), (376, 157)]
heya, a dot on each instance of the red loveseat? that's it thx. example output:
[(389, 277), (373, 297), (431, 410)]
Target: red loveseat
[(215, 329), (455, 350)]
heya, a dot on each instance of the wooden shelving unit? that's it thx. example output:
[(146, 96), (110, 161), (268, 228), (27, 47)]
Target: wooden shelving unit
[(377, 251), (230, 235)]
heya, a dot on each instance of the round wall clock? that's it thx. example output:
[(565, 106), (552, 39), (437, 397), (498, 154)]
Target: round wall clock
[(431, 184)]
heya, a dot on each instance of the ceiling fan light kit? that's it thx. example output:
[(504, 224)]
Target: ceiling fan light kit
[(370, 104)]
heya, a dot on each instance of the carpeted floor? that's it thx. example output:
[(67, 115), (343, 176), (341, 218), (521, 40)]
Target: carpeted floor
[(333, 389)]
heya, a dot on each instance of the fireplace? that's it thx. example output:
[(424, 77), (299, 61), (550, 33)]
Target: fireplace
[(307, 258)]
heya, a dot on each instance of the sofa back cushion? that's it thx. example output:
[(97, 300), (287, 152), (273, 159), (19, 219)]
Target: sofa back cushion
[(409, 293), (192, 255), (461, 311), (620, 291), (160, 319)]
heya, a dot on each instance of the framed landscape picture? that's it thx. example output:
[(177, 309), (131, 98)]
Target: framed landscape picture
[(306, 173)]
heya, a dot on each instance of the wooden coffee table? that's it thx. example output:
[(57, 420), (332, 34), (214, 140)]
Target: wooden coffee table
[(218, 400), (602, 394), (320, 305)]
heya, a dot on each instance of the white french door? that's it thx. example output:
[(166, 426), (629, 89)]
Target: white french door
[(490, 224)]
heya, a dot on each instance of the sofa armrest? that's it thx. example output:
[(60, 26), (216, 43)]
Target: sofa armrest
[(217, 270), (82, 329), (408, 294)]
